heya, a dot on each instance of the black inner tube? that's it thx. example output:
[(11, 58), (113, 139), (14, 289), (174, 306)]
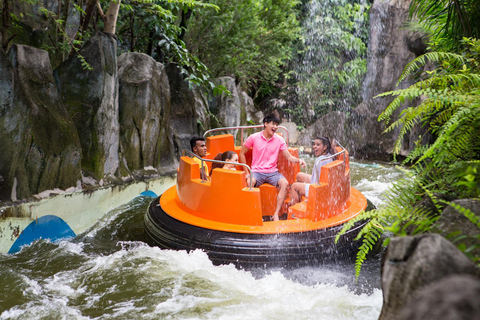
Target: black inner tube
[(252, 250)]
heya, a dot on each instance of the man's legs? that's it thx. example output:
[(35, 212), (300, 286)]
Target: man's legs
[(254, 181), (282, 194)]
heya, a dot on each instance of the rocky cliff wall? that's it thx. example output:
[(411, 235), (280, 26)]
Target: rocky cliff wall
[(118, 120), (391, 47), (39, 143)]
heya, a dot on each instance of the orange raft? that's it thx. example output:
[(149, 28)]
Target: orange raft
[(232, 222)]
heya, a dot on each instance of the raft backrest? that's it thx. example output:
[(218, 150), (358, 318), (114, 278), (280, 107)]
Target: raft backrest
[(225, 142), (330, 196), (224, 199)]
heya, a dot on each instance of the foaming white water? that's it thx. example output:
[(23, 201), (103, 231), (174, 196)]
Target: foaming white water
[(373, 180), (141, 282), (97, 276)]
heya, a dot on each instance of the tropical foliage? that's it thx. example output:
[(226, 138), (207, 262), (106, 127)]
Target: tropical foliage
[(448, 21), (247, 40), (450, 166), (150, 26), (331, 60)]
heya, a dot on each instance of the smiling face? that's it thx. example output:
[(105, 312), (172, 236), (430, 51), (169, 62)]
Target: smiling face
[(269, 129), (319, 148), (234, 160)]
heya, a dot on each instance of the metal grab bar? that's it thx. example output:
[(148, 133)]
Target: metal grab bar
[(191, 154), (246, 127)]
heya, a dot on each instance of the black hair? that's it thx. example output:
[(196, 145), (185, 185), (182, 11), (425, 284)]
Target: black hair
[(193, 141), (271, 118), (326, 142)]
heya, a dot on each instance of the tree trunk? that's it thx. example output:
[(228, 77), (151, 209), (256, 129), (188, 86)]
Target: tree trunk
[(5, 24), (88, 15), (111, 17)]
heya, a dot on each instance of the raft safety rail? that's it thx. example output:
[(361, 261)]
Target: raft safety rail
[(332, 156), (191, 154), (245, 127)]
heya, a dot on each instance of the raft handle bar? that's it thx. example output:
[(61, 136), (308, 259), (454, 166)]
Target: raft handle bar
[(245, 127), (191, 154)]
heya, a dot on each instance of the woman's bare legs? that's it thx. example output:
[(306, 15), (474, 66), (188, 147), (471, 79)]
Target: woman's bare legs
[(297, 191), (304, 177)]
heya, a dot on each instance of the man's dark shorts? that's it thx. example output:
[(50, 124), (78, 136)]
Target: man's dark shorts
[(271, 178)]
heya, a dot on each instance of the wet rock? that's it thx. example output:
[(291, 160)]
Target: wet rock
[(332, 125), (40, 145), (453, 298), (91, 98), (249, 114), (453, 223), (390, 49), (411, 263), (144, 106), (293, 134), (188, 112), (225, 107)]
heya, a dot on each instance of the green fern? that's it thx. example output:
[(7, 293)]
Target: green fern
[(449, 106)]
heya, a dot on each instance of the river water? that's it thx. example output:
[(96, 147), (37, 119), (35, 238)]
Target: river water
[(110, 272)]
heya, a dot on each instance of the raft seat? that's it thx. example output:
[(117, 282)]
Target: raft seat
[(328, 198), (268, 200)]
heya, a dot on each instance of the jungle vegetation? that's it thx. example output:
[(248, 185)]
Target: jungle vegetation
[(448, 90), (249, 40), (330, 64), (266, 45)]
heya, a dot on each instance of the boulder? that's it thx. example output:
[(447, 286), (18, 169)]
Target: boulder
[(144, 107), (331, 125), (225, 107), (452, 224), (188, 112), (249, 114), (454, 298), (411, 263), (293, 133), (91, 98), (40, 145)]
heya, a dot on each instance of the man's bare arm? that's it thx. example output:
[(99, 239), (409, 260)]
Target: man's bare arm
[(241, 156), (293, 159)]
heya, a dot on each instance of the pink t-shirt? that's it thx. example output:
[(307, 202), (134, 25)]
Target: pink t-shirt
[(265, 152)]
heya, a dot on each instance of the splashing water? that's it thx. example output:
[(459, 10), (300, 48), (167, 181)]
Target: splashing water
[(330, 69), (110, 272)]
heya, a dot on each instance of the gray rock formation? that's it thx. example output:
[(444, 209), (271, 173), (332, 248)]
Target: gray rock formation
[(249, 114), (227, 107), (411, 263), (40, 149), (453, 298), (332, 125), (293, 134), (188, 113), (91, 98), (388, 54), (390, 49), (144, 108), (453, 223)]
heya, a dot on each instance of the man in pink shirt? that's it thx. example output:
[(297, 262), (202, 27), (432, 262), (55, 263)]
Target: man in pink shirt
[(266, 145)]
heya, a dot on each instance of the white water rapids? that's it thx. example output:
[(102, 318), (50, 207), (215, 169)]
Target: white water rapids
[(110, 273)]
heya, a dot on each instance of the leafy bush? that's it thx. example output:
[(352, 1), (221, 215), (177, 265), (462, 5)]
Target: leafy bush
[(247, 40), (450, 106)]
